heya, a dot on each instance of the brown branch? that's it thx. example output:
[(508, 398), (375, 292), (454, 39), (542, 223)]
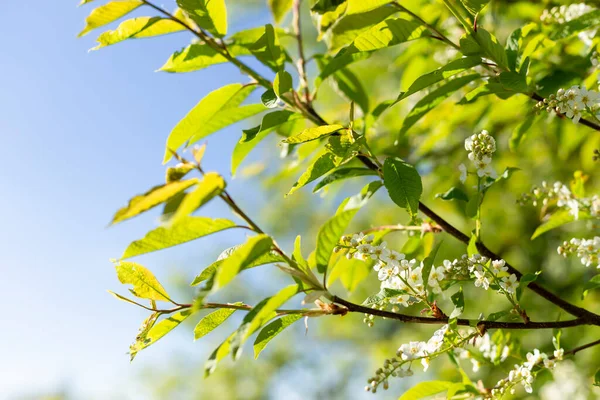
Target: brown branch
[(482, 326)]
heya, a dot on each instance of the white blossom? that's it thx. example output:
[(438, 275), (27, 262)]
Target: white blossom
[(587, 250), (509, 283)]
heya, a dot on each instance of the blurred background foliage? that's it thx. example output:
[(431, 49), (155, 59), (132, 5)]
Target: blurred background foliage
[(334, 357)]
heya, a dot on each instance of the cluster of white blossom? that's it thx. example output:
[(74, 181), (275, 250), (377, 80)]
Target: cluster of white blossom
[(521, 374), (393, 269), (588, 250), (487, 273), (564, 198), (487, 348), (407, 353), (562, 14), (481, 147), (572, 102)]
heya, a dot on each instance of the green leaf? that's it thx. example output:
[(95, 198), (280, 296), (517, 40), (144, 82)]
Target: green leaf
[(453, 193), (513, 81), (472, 246), (267, 49), (279, 8), (433, 99), (426, 389), (524, 281), (352, 25), (592, 284), (211, 270), (243, 256), (211, 185), (403, 184), (341, 174), (217, 355), (108, 13), (137, 28), (361, 6), (214, 112), (483, 43), (459, 303), (252, 137), (320, 167), (388, 33), (187, 229), (212, 321), (350, 272), (314, 133), (193, 57), (269, 98), (159, 330), (559, 218), (177, 172), (352, 88), (586, 21), (155, 196), (597, 378), (282, 83), (498, 315), (208, 14), (271, 330), (384, 293), (145, 284), (451, 69), (261, 317), (474, 6)]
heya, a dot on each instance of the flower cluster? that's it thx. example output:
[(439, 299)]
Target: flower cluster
[(564, 198), (522, 374), (572, 102), (481, 147), (487, 273), (588, 250), (562, 14), (407, 353), (393, 269)]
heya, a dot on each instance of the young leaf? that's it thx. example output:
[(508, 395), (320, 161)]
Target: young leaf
[(341, 174), (520, 131), (597, 378), (323, 164), (428, 264), (211, 185), (137, 28), (108, 13), (352, 88), (269, 98), (217, 355), (187, 229), (472, 246), (388, 33), (271, 330), (403, 183), (261, 317), (243, 256), (352, 25), (282, 83), (592, 284), (159, 330), (279, 9), (453, 193), (211, 270), (252, 137), (155, 196), (212, 321), (208, 14), (313, 133), (177, 172), (193, 57), (524, 281), (145, 284), (481, 42), (559, 218), (268, 50), (433, 99), (459, 303), (426, 389), (214, 112), (445, 72)]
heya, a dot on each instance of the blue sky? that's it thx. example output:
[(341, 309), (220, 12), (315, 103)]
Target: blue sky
[(81, 132)]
